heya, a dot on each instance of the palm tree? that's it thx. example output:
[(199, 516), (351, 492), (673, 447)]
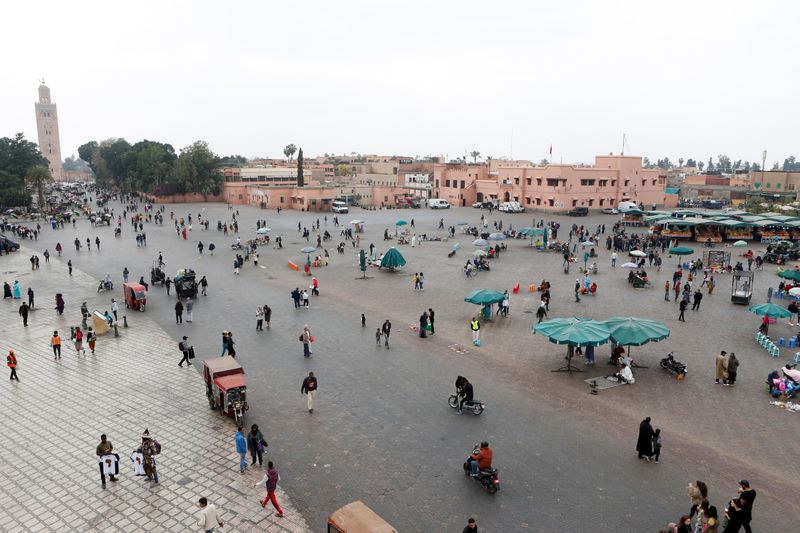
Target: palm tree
[(289, 151), (37, 177), (474, 155)]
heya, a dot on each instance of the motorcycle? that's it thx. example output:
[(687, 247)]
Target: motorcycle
[(489, 477), (676, 368), (476, 406), (105, 286)]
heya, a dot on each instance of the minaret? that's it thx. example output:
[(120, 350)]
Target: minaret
[(47, 126)]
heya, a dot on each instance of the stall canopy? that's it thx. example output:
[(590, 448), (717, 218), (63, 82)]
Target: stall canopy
[(392, 259), (484, 297), (771, 310), (793, 275), (633, 331)]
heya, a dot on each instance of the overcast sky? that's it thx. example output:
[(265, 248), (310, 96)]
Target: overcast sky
[(680, 78)]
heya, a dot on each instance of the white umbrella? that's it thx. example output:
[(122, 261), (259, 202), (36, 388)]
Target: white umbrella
[(356, 222), (587, 243), (795, 291), (630, 265), (262, 231), (638, 253), (480, 242), (479, 253)]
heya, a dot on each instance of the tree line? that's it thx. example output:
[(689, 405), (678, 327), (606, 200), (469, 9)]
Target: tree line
[(22, 167), (154, 167)]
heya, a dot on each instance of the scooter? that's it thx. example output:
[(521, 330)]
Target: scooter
[(476, 406), (489, 477), (676, 368), (105, 286)]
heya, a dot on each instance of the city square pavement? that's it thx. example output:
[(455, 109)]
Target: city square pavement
[(381, 430), (58, 410)]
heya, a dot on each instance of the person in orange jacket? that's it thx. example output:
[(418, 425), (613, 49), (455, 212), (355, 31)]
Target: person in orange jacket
[(11, 361), (482, 459)]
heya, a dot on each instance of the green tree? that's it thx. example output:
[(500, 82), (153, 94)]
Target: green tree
[(723, 162), (300, 176), (289, 151), (544, 162), (196, 170), (646, 162), (474, 155), (38, 177), (12, 191), (700, 165), (18, 155), (680, 162), (149, 164), (691, 162), (710, 164)]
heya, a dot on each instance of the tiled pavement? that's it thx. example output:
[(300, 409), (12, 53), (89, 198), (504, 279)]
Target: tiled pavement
[(54, 416)]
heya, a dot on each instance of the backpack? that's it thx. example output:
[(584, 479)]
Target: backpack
[(157, 446), (181, 346), (300, 338)]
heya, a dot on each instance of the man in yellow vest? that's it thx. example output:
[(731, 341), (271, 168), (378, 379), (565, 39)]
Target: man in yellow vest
[(476, 331)]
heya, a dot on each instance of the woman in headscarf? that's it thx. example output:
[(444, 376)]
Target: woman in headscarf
[(644, 445)]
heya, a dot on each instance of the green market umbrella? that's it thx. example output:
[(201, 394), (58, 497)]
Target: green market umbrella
[(681, 250), (632, 331), (573, 332), (400, 223), (528, 231), (769, 309), (480, 253), (392, 259), (740, 244), (484, 297), (793, 275)]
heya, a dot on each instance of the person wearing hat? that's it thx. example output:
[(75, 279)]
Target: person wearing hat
[(11, 361), (150, 448)]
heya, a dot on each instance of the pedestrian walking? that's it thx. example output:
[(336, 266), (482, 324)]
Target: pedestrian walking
[(676, 288), (305, 338), (711, 285), (644, 444), (431, 318), (203, 286), (271, 478), (666, 290), (423, 324), (224, 343), (229, 344), (114, 308), (167, 283), (719, 366), (125, 274), (78, 341), (378, 337), (23, 312), (541, 311), (386, 330), (305, 299), (682, 306), (241, 449), (698, 296), (69, 266), (108, 465), (577, 290), (11, 362), (259, 318), (91, 338), (55, 342), (657, 445), (178, 312), (186, 349), (267, 314), (189, 308), (309, 388), (740, 509), (475, 326), (471, 527), (613, 259), (150, 448), (732, 368), (363, 320), (208, 517), (30, 297), (256, 444)]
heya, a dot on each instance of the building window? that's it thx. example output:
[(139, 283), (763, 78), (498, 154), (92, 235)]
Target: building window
[(587, 182), (385, 198), (527, 200), (769, 185), (550, 202), (613, 183), (446, 183), (655, 182), (281, 199), (603, 183), (528, 180), (777, 185), (516, 181), (240, 197), (574, 203), (601, 202), (552, 182), (538, 182), (538, 201), (627, 183), (591, 202), (462, 184)]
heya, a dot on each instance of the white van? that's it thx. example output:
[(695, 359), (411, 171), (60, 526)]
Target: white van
[(339, 207), (627, 206), (511, 207), (437, 203)]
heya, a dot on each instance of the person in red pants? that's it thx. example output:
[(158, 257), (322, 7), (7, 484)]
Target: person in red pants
[(271, 478)]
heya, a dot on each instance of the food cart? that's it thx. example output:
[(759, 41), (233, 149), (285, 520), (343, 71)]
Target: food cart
[(356, 517), (742, 286), (185, 284), (226, 389)]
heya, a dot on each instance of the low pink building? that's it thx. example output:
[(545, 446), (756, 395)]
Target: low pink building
[(611, 180)]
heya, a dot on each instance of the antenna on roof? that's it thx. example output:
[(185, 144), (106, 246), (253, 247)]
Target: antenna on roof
[(622, 152)]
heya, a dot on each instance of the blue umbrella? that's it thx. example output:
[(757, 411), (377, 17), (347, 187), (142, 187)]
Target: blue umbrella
[(308, 250), (497, 236), (480, 242)]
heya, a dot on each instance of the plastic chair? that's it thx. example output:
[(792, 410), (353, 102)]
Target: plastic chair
[(781, 342), (797, 357), (793, 342), (775, 352)]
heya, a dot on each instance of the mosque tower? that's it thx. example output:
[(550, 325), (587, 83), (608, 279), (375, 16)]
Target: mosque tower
[(47, 126)]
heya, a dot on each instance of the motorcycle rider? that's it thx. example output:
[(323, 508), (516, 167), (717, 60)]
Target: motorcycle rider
[(481, 460), (107, 284), (465, 392)]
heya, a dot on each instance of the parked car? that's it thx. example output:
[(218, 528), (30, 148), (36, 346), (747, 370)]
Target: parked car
[(578, 212), (610, 211), (478, 205)]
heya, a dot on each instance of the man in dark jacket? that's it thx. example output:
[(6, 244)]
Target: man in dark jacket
[(386, 329), (697, 297), (309, 388), (23, 312), (466, 393)]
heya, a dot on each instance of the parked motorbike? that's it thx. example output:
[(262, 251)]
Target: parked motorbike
[(676, 368), (105, 286), (489, 477), (476, 406)]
